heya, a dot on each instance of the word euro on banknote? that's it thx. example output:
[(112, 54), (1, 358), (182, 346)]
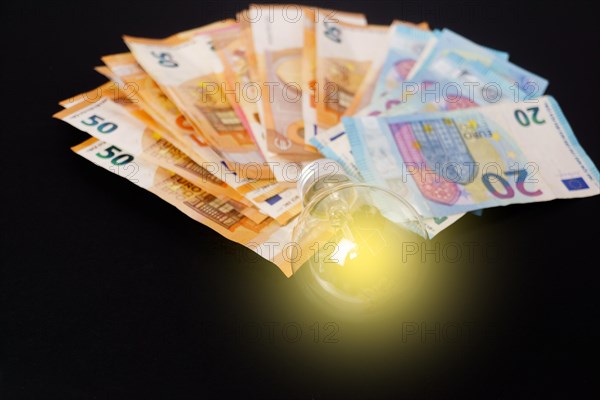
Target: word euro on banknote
[(451, 162)]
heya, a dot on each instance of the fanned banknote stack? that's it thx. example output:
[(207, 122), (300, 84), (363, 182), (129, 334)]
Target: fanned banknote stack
[(219, 120)]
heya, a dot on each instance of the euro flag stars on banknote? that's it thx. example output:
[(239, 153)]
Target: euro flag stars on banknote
[(219, 120)]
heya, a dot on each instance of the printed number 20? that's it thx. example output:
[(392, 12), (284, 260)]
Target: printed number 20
[(509, 192), (524, 118)]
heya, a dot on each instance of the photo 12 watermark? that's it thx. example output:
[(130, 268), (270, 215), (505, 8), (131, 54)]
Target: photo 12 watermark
[(275, 332)]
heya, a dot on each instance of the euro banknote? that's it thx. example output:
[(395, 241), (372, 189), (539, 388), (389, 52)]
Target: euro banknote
[(447, 81), (236, 57), (309, 61), (526, 84), (219, 213), (405, 45), (151, 98), (126, 94), (142, 137), (108, 74), (450, 83), (277, 43), (190, 73), (125, 69), (449, 41), (451, 162), (453, 77), (454, 82), (344, 55), (220, 120), (128, 97), (105, 119)]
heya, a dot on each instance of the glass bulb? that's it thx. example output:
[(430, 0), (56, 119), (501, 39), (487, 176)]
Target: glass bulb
[(352, 236)]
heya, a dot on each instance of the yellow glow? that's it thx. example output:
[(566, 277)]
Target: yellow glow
[(343, 249), (365, 267)]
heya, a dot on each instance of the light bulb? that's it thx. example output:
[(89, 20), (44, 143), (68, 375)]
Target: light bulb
[(352, 236)]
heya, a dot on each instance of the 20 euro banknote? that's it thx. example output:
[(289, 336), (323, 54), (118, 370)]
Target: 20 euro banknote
[(451, 162)]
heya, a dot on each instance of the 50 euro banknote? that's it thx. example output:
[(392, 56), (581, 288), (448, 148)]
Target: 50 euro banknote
[(345, 53), (109, 121), (190, 73), (125, 70), (236, 56), (139, 135), (452, 162), (127, 94), (218, 212), (283, 63), (309, 61), (276, 43)]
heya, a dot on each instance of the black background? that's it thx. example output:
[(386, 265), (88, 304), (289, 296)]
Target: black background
[(107, 292)]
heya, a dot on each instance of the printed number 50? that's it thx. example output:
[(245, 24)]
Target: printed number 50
[(111, 152), (104, 127)]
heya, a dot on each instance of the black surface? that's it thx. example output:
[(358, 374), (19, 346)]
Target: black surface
[(107, 292)]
